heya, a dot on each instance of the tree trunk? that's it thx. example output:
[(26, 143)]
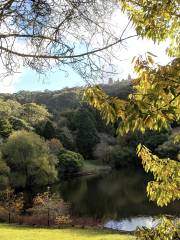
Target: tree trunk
[(9, 217)]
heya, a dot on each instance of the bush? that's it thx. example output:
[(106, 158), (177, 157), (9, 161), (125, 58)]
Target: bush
[(168, 149), (69, 162), (167, 229), (122, 157)]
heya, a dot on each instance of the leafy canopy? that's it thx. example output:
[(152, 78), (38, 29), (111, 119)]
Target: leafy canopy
[(155, 101), (156, 19), (28, 157)]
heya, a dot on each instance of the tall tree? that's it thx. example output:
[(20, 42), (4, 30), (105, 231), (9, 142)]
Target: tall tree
[(28, 157), (156, 98), (86, 137)]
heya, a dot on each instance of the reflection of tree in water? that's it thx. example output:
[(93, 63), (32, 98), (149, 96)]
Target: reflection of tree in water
[(112, 196)]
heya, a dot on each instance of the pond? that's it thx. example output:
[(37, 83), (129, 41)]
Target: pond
[(117, 198)]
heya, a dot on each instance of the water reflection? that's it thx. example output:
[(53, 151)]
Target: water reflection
[(132, 224), (112, 196)]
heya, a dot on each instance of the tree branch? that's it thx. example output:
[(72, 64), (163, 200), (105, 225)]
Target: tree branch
[(65, 57)]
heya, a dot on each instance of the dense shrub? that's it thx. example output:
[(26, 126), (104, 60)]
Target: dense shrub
[(122, 157), (69, 162), (168, 149)]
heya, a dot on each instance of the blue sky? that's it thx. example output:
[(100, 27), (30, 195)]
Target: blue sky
[(56, 79), (53, 80)]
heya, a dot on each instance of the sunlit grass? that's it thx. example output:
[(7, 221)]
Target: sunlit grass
[(10, 232), (93, 166)]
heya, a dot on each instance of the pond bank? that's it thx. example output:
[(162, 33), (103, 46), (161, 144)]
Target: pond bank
[(92, 167)]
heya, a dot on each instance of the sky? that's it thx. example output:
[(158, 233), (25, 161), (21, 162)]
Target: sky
[(27, 79)]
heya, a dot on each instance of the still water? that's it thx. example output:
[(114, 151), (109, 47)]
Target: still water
[(117, 198)]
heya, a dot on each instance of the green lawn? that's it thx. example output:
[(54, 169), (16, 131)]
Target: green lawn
[(10, 232), (94, 167)]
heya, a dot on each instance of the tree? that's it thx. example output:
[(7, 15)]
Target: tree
[(102, 151), (167, 229), (34, 113), (4, 173), (28, 157), (5, 128), (19, 124), (11, 202), (121, 156), (86, 137), (49, 206), (9, 108), (48, 130), (42, 34), (69, 162), (16, 116), (155, 102), (55, 146), (156, 20), (66, 137), (156, 98)]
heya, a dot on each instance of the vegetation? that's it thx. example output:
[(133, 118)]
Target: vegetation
[(29, 160), (150, 105), (55, 41), (155, 102), (16, 116), (86, 136), (49, 206), (94, 167), (11, 203), (4, 174), (69, 162), (55, 146), (167, 229)]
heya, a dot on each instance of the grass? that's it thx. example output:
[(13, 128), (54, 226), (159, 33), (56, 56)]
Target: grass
[(12, 232), (93, 167)]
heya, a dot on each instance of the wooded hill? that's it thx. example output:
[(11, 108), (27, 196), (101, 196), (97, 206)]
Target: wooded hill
[(80, 128), (67, 98)]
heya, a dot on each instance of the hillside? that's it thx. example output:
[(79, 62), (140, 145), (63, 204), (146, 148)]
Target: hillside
[(67, 98), (80, 128)]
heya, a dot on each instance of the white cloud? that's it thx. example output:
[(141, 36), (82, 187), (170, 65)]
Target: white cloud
[(133, 47), (7, 85), (128, 50)]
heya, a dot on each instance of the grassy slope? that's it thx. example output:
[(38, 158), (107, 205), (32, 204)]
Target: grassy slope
[(94, 167), (8, 232)]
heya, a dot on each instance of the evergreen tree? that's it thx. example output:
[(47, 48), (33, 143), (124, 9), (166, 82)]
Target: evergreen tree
[(86, 137)]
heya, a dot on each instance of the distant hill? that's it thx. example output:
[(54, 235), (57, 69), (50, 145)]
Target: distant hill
[(67, 98)]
